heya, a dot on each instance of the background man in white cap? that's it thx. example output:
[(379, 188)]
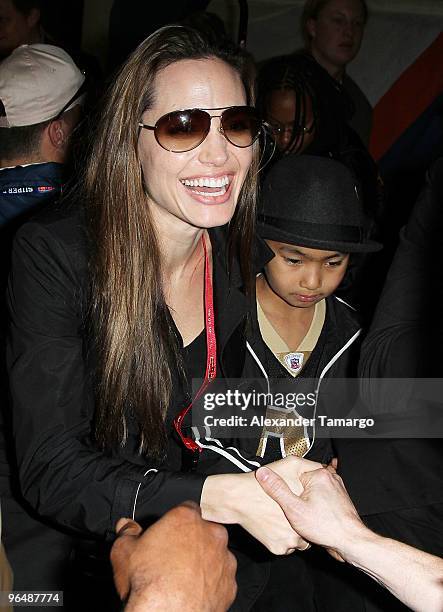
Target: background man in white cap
[(41, 91), (40, 97)]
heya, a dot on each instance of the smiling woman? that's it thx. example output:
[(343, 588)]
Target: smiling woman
[(119, 300), (218, 165)]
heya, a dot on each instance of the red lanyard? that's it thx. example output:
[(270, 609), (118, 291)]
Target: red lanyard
[(211, 354)]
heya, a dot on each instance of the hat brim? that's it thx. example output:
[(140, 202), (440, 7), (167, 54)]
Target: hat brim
[(270, 232)]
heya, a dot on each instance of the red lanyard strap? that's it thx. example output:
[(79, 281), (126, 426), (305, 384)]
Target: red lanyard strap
[(211, 353), (211, 341)]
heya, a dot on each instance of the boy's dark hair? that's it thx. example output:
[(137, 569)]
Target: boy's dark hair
[(21, 142)]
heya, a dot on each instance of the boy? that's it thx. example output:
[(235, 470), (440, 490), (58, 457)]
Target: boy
[(312, 220)]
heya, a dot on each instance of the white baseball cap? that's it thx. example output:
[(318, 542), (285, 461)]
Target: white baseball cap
[(37, 83)]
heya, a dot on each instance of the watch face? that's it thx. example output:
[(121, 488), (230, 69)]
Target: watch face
[(294, 361)]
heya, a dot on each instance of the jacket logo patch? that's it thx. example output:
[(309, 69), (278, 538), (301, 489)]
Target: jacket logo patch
[(294, 361)]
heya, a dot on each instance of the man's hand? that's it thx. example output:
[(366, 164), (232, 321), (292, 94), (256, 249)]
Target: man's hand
[(180, 563), (323, 513)]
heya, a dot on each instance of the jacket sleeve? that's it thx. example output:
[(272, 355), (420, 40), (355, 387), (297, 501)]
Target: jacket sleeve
[(406, 333), (62, 475)]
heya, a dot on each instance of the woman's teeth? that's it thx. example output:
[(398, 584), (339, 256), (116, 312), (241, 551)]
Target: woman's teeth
[(206, 186), (221, 181)]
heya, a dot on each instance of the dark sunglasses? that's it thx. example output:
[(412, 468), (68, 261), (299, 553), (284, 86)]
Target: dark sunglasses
[(184, 130)]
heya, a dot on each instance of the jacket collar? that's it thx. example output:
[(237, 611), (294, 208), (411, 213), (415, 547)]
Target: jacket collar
[(49, 171)]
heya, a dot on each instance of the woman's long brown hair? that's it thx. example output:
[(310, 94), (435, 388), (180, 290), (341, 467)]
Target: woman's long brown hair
[(130, 323)]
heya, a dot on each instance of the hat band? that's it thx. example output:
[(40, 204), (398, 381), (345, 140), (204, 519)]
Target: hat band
[(4, 123), (316, 231)]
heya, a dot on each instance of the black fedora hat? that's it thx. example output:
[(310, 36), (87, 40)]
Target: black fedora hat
[(314, 202)]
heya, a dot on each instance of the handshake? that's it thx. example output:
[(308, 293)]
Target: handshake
[(184, 559), (183, 562)]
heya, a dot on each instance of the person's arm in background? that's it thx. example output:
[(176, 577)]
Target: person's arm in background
[(406, 318), (406, 333), (182, 563), (324, 514)]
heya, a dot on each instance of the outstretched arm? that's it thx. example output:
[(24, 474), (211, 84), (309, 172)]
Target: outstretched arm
[(324, 515)]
